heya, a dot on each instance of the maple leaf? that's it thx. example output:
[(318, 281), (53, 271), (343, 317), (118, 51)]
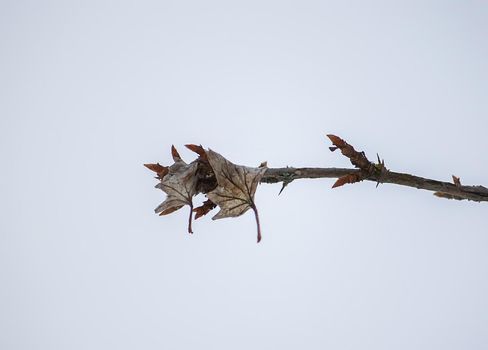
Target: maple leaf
[(180, 185), (237, 184)]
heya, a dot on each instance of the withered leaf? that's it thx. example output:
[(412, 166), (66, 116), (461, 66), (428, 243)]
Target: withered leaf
[(175, 154), (236, 187), (337, 141), (198, 149), (158, 169), (204, 209), (358, 159), (206, 178), (180, 185), (347, 179)]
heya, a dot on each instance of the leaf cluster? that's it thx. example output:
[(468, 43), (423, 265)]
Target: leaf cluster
[(229, 186)]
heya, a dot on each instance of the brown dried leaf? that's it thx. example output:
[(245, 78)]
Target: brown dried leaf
[(206, 178), (204, 209), (158, 169), (175, 154), (169, 210), (180, 186), (336, 140), (346, 179), (358, 159), (236, 187), (198, 149)]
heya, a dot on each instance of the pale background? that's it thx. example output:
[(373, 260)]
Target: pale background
[(91, 90)]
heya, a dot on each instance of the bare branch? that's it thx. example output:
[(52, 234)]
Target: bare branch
[(473, 193)]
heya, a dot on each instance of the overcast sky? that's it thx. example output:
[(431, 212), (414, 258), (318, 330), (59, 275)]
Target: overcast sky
[(91, 90)]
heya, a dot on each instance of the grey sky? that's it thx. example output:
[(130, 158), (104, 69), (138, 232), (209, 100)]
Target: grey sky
[(91, 90)]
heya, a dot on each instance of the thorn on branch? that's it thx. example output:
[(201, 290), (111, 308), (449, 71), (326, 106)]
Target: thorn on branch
[(288, 178), (381, 170)]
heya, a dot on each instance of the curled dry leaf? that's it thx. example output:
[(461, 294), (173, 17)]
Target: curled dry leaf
[(347, 179), (174, 153), (158, 169), (198, 149), (230, 186), (204, 209), (180, 185), (206, 177), (358, 159), (237, 184)]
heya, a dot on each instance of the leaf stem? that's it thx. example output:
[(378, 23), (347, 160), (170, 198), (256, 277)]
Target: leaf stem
[(256, 215), (189, 219)]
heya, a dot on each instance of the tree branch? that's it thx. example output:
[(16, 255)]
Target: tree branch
[(232, 186), (442, 189)]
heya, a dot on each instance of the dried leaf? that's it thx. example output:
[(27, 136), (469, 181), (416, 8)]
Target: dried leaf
[(347, 179), (158, 169), (180, 186), (206, 178), (204, 209), (175, 154), (169, 210), (358, 159), (336, 140), (236, 187), (198, 150)]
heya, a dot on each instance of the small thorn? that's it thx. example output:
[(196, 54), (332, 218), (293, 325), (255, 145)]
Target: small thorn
[(282, 188)]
